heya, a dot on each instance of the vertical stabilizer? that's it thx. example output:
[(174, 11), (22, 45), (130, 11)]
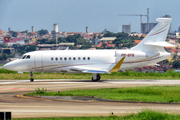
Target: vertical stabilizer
[(155, 39)]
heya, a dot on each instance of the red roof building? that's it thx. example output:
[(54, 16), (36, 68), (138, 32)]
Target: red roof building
[(137, 42)]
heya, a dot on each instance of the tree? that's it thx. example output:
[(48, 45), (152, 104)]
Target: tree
[(62, 40), (53, 34), (109, 34), (94, 36), (104, 45), (105, 31), (74, 38), (7, 51), (1, 57), (30, 34), (4, 55), (13, 33), (51, 42), (42, 41), (26, 31), (176, 64), (85, 46), (81, 41), (42, 32), (122, 36), (117, 41), (179, 29), (166, 16), (134, 38), (3, 45), (30, 48)]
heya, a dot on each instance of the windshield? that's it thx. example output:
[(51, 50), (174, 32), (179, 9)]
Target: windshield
[(25, 57)]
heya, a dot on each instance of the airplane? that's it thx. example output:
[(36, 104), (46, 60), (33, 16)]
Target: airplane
[(149, 50)]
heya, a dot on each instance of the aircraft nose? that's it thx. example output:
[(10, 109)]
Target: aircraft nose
[(9, 66)]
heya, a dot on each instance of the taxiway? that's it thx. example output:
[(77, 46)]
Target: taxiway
[(34, 107)]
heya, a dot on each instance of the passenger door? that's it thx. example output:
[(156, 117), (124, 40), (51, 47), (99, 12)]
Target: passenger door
[(38, 62)]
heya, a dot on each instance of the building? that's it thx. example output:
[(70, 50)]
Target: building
[(95, 41), (59, 46), (178, 35), (32, 28), (55, 26), (126, 28), (87, 30), (11, 50), (107, 39), (144, 29), (20, 41)]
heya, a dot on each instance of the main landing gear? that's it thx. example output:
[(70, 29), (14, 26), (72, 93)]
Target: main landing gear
[(31, 74), (96, 77)]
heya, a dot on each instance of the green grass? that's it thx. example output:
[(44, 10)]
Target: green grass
[(1, 65), (144, 115), (7, 74), (162, 94)]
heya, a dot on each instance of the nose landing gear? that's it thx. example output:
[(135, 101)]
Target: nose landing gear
[(31, 74)]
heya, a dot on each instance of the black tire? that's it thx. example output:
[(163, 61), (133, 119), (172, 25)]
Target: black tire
[(98, 77), (94, 80), (31, 80)]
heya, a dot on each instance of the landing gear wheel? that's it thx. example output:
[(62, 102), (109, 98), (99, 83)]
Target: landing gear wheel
[(94, 80), (97, 78), (31, 80), (31, 74)]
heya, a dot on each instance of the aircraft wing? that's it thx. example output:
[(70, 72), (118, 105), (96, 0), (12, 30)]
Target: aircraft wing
[(87, 70)]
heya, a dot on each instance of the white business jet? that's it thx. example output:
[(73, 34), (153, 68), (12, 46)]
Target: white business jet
[(149, 50)]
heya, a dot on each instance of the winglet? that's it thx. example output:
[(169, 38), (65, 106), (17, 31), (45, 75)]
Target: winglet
[(117, 66)]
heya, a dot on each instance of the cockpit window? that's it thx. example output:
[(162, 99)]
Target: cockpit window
[(28, 57), (23, 57)]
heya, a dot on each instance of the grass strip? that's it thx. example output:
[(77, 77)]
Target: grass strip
[(7, 74), (161, 94), (144, 115)]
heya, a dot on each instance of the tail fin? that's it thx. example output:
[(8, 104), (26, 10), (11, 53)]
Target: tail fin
[(155, 39)]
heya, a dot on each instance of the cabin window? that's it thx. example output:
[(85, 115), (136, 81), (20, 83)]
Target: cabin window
[(88, 58), (69, 58), (56, 58), (74, 58), (28, 57), (52, 58), (84, 58), (60, 58), (79, 58), (65, 58)]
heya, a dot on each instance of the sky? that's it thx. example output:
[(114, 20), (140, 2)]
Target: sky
[(75, 15)]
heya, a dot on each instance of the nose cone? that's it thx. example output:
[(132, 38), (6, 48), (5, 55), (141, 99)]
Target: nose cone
[(10, 66)]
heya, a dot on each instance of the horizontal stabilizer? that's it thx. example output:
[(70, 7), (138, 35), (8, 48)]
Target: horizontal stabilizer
[(165, 44)]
